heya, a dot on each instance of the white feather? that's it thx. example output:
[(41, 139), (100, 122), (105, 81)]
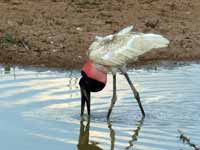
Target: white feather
[(125, 30), (118, 49), (99, 38)]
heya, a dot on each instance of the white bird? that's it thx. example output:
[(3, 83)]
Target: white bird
[(114, 51)]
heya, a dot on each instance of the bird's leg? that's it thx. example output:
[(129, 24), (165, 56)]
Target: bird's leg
[(114, 97), (135, 92), (83, 100), (88, 102)]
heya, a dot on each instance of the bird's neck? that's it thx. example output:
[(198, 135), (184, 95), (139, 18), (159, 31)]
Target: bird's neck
[(112, 69), (101, 68)]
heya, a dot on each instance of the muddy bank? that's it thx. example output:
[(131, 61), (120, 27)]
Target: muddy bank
[(57, 33)]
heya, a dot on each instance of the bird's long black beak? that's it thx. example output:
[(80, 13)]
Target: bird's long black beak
[(85, 98)]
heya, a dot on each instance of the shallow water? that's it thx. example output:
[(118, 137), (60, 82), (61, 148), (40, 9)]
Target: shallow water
[(39, 109)]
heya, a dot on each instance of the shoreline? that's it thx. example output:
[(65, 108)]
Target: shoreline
[(144, 65)]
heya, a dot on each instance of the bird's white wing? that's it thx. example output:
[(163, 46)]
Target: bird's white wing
[(125, 30), (124, 47)]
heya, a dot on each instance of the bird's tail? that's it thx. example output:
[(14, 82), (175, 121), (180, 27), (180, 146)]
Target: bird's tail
[(156, 41), (146, 42)]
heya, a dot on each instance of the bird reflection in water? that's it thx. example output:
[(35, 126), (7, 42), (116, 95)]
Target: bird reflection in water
[(112, 135), (136, 131), (84, 142)]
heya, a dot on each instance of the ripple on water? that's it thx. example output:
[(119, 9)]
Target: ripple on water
[(47, 105)]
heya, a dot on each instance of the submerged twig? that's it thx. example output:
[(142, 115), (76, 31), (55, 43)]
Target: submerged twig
[(186, 140)]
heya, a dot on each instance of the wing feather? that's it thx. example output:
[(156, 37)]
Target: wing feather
[(124, 47)]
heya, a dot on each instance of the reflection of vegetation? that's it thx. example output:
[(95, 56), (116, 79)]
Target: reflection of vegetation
[(7, 69), (72, 82), (187, 140), (84, 142), (135, 133)]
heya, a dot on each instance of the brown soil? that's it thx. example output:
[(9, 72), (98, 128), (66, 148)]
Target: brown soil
[(57, 33)]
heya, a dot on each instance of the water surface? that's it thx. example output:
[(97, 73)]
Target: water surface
[(39, 109)]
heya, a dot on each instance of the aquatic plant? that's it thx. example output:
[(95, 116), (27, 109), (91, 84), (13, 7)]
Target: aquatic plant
[(187, 140)]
